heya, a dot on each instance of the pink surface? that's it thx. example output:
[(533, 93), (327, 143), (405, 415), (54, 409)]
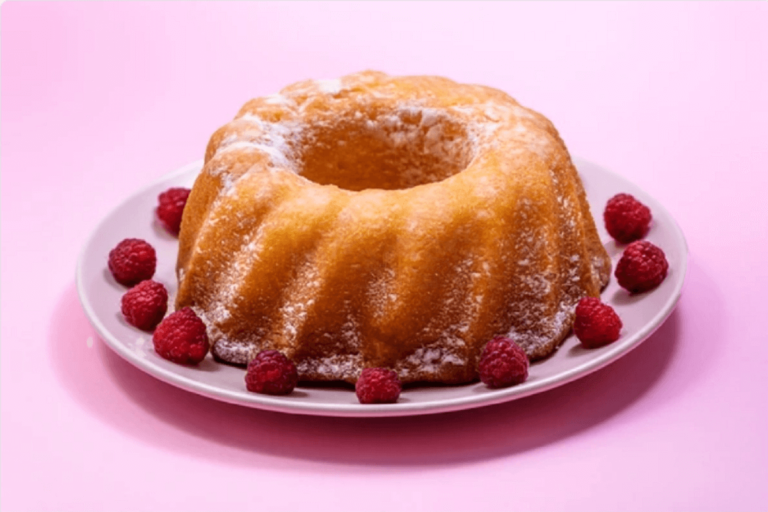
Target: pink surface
[(98, 100)]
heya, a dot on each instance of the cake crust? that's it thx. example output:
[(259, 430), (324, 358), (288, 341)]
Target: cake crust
[(377, 221)]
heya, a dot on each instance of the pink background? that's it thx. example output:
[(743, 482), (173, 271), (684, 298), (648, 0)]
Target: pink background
[(98, 100)]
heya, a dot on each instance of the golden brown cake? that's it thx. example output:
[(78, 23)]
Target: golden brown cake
[(377, 221)]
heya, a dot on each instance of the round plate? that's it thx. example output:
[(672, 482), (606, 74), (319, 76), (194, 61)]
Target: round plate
[(100, 296)]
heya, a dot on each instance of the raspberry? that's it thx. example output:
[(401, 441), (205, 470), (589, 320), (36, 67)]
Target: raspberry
[(132, 261), (378, 386), (503, 363), (626, 218), (596, 324), (145, 304), (170, 208), (642, 267), (181, 338), (271, 373)]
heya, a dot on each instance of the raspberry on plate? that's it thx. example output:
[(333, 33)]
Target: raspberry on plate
[(642, 267), (378, 386), (596, 324), (503, 363), (271, 373), (133, 260), (170, 208), (181, 338), (626, 218), (145, 304)]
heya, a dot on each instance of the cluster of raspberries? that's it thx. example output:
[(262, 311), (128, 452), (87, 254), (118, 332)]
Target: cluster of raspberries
[(181, 337), (643, 266)]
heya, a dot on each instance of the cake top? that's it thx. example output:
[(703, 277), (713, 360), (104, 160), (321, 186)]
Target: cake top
[(372, 131)]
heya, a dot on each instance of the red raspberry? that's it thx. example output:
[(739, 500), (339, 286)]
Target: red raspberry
[(132, 261), (170, 208), (181, 338), (626, 218), (503, 363), (642, 267), (145, 304), (378, 386), (271, 373), (596, 324)]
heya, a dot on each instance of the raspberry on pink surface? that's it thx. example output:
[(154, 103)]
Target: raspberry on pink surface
[(503, 363), (181, 338), (378, 386), (596, 324), (642, 267), (133, 260), (271, 373), (145, 305), (626, 218), (170, 208)]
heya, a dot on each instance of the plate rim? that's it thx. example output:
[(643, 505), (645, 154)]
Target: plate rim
[(285, 405)]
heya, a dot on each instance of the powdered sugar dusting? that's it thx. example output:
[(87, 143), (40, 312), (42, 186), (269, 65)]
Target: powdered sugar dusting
[(329, 86), (547, 328), (276, 99), (228, 286), (298, 298), (431, 360), (332, 367)]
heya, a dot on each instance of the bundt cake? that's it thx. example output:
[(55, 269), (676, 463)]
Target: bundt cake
[(377, 221)]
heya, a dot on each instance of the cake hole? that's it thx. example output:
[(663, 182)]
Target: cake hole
[(384, 149)]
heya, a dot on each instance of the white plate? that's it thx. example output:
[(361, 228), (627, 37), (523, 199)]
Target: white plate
[(100, 296)]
